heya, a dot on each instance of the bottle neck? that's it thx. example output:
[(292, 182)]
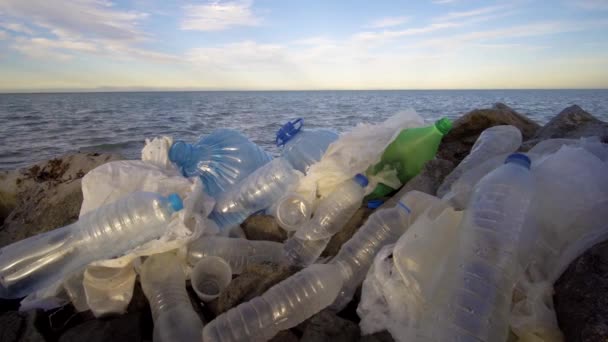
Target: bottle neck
[(181, 152)]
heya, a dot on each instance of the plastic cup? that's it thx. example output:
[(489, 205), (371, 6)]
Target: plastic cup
[(210, 276), (292, 211)]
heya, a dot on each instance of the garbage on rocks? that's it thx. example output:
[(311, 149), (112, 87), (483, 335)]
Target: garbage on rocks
[(221, 159), (42, 260), (209, 277), (408, 153), (108, 290), (164, 284)]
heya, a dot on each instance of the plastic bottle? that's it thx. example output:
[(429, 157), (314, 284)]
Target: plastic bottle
[(257, 191), (164, 284), (39, 261), (383, 227), (332, 214), (108, 290), (221, 159), (493, 141), (474, 300), (283, 306), (303, 147), (237, 252), (292, 211), (408, 153)]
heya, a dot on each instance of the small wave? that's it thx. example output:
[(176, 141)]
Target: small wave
[(113, 147)]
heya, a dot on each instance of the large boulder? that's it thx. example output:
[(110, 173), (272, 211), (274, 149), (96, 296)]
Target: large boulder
[(263, 227), (572, 123), (44, 196), (326, 326), (581, 297), (466, 129)]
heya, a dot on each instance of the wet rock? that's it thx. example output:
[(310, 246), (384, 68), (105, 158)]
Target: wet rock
[(45, 196), (122, 328), (427, 181), (466, 129), (383, 336), (351, 227), (326, 326), (19, 327), (263, 227), (285, 336), (572, 123), (253, 282), (581, 297)]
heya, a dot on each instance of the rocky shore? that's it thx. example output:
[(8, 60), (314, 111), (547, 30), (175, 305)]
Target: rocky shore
[(47, 195)]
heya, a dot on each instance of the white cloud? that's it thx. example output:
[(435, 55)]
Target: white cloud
[(216, 16), (3, 35), (471, 13), (38, 51), (388, 22), (383, 36), (593, 5), (16, 27), (72, 19), (443, 2)]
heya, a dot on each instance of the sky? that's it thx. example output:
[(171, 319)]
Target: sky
[(292, 45)]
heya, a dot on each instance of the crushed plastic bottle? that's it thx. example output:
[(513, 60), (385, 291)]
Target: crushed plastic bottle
[(283, 306), (408, 153), (39, 261), (303, 147), (164, 284), (237, 252), (332, 214), (492, 142), (383, 227), (256, 192), (474, 300), (221, 159)]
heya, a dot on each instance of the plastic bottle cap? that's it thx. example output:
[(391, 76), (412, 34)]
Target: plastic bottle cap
[(175, 202), (519, 158), (444, 125), (177, 152), (373, 204), (288, 131), (361, 180)]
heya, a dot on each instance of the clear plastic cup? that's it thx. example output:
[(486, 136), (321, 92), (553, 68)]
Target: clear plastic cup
[(292, 211), (209, 277)]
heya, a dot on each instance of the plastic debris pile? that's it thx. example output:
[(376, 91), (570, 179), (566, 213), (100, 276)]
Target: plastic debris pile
[(472, 264)]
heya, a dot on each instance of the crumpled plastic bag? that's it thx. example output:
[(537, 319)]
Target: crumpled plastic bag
[(353, 153)]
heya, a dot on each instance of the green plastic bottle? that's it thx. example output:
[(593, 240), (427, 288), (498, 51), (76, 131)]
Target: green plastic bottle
[(408, 153)]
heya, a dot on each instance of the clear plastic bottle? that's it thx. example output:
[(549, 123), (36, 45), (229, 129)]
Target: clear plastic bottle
[(221, 159), (331, 215), (164, 284), (283, 306), (292, 211), (474, 301), (303, 147), (256, 192), (237, 252), (39, 261), (492, 142), (383, 227)]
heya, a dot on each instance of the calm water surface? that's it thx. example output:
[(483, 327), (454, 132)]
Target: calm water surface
[(35, 127)]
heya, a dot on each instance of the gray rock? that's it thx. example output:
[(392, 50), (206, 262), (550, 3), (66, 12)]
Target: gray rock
[(263, 227), (466, 129), (253, 282), (19, 327), (326, 326), (45, 196), (285, 336), (383, 336), (351, 227), (572, 123), (581, 297), (427, 181), (123, 328)]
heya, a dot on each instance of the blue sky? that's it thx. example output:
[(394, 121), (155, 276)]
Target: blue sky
[(284, 45)]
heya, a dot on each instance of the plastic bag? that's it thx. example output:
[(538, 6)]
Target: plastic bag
[(353, 153)]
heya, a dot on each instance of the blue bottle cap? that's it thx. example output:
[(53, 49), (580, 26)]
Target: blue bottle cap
[(178, 152), (361, 180), (288, 131), (175, 202), (373, 204), (519, 158)]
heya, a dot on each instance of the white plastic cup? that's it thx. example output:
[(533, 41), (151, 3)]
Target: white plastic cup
[(210, 276), (292, 211)]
